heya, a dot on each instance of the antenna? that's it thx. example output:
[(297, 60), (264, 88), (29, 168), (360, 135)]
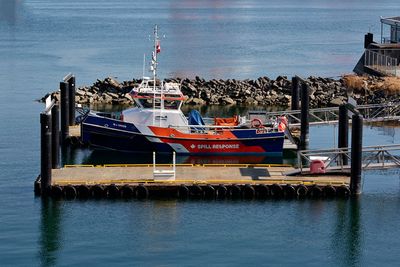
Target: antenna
[(144, 63), (370, 27)]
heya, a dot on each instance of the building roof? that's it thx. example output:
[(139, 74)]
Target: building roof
[(395, 21)]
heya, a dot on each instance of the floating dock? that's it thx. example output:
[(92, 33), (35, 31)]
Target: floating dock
[(216, 181)]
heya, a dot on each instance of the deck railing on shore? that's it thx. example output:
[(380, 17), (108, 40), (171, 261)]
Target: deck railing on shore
[(382, 63)]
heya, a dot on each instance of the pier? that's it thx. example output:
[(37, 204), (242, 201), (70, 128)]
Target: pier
[(319, 173)]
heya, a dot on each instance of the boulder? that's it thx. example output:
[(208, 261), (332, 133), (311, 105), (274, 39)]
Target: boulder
[(228, 101), (337, 101)]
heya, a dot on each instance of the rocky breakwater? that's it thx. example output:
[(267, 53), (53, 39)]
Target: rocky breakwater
[(262, 91)]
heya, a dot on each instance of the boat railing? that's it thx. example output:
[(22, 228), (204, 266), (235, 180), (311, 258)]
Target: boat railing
[(216, 129)]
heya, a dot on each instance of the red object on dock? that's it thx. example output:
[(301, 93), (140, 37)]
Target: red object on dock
[(317, 166)]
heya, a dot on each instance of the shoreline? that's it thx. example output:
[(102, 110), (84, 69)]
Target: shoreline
[(324, 92)]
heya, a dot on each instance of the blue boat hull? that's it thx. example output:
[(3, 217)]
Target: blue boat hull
[(122, 136)]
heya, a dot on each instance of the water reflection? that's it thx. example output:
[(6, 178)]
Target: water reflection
[(8, 10), (346, 241), (50, 232)]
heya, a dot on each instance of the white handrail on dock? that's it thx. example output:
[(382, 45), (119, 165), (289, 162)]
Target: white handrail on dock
[(164, 174)]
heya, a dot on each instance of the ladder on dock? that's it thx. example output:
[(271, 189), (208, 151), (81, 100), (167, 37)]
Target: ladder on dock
[(373, 157), (371, 113), (164, 174)]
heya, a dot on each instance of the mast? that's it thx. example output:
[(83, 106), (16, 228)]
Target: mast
[(153, 67)]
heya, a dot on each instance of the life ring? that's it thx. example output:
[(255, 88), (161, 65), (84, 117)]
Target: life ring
[(256, 123), (282, 123)]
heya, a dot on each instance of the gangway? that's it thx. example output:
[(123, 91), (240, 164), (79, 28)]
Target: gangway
[(373, 157), (330, 115)]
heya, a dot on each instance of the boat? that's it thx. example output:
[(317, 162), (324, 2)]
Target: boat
[(157, 123)]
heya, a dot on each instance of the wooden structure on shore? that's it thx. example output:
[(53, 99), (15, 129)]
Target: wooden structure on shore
[(383, 58)]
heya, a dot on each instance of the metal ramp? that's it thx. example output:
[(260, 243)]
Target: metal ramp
[(371, 113), (374, 157)]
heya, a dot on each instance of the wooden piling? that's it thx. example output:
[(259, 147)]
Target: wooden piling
[(356, 154), (64, 88), (45, 153), (304, 127), (295, 93), (71, 97), (55, 137), (343, 136)]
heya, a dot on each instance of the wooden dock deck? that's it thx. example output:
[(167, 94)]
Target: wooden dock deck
[(187, 173)]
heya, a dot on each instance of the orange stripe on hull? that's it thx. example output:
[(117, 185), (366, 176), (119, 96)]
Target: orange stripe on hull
[(173, 133)]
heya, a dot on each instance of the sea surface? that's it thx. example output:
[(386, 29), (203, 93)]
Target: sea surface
[(43, 40)]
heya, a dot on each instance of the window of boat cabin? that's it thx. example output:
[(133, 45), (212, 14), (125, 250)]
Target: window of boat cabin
[(172, 104), (146, 102)]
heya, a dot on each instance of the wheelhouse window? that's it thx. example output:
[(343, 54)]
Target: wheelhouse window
[(172, 104), (146, 102)]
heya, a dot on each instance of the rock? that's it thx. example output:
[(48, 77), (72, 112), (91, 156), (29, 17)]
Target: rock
[(251, 101), (196, 101), (259, 98), (114, 83), (228, 101), (191, 88), (337, 101), (128, 96), (80, 92), (113, 95)]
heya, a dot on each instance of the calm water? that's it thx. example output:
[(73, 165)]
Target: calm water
[(42, 40)]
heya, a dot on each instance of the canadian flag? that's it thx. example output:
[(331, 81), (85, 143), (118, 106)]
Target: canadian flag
[(158, 47)]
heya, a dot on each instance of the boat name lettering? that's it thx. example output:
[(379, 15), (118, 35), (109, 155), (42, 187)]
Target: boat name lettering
[(218, 146), (119, 125), (261, 131)]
